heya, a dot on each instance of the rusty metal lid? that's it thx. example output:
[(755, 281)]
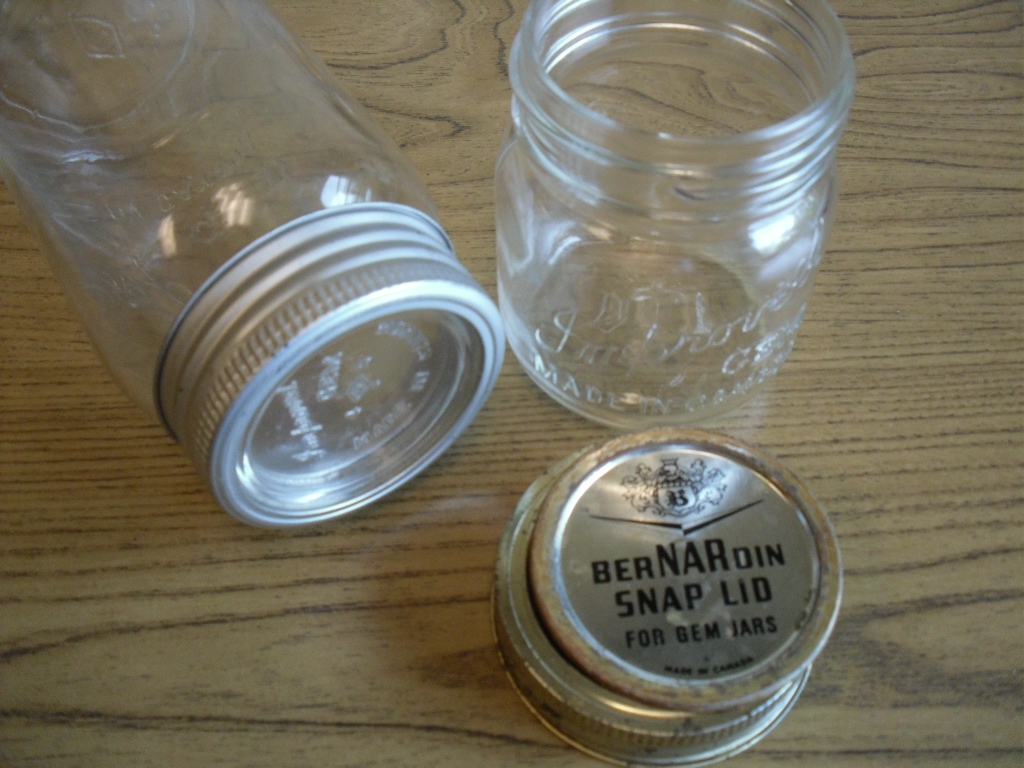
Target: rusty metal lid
[(660, 598)]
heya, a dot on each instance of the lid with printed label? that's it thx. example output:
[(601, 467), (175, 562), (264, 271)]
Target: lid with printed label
[(664, 595)]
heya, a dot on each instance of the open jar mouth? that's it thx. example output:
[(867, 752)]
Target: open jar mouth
[(697, 83)]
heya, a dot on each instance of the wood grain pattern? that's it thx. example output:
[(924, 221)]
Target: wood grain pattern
[(140, 626)]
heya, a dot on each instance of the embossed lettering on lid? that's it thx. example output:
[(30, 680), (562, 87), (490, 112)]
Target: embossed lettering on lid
[(329, 363)]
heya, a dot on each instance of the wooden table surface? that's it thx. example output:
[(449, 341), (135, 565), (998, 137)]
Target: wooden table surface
[(141, 626)]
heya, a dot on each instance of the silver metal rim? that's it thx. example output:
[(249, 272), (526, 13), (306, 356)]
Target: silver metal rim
[(278, 302)]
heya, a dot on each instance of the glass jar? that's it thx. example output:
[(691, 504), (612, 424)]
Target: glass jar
[(252, 257), (663, 197)]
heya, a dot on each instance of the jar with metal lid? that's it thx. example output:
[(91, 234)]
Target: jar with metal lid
[(659, 599), (252, 257), (663, 196)]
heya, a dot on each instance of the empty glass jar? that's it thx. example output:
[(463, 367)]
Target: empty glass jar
[(253, 258), (663, 197)]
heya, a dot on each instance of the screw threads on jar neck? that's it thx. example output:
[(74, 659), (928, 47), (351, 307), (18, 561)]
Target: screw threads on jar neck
[(689, 110)]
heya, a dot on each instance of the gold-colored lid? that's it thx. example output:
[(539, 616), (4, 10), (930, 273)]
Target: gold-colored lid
[(660, 598)]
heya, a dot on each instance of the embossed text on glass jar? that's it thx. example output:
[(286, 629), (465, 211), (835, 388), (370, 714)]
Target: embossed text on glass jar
[(664, 194)]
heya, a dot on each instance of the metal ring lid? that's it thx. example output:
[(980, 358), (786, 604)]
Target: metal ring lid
[(660, 598), (328, 363)]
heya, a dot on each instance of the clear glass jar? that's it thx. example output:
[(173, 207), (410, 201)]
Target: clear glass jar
[(252, 257), (663, 196)]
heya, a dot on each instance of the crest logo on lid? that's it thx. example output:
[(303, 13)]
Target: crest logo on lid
[(674, 491)]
